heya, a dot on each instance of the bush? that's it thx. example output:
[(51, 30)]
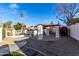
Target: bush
[(63, 31)]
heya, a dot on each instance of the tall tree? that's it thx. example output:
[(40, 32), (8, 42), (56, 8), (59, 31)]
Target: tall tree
[(67, 11), (22, 17)]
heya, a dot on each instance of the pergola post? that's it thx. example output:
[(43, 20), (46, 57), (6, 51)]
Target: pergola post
[(57, 32), (40, 32), (1, 35), (6, 32), (47, 31), (13, 32), (35, 32)]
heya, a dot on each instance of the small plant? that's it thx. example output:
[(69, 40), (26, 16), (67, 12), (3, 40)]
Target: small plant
[(14, 53)]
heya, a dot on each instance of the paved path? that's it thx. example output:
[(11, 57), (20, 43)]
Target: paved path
[(7, 41), (20, 38), (11, 45), (65, 46)]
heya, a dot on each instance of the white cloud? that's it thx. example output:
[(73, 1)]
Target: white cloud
[(14, 6)]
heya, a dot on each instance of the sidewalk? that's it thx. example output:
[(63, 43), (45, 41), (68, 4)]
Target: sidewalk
[(20, 38), (7, 41), (11, 40), (11, 45)]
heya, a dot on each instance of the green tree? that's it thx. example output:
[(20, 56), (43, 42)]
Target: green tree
[(18, 26), (75, 20), (7, 24)]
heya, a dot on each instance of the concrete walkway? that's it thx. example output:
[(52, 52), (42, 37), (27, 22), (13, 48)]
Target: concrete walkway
[(7, 41), (11, 45), (20, 38), (11, 40)]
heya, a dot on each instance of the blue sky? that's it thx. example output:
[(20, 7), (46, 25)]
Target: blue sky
[(34, 13)]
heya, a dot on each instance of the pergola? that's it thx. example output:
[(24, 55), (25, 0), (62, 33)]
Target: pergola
[(11, 32)]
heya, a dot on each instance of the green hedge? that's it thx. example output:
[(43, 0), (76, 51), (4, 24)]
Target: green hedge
[(73, 21)]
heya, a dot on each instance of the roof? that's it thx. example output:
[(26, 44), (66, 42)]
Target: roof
[(48, 25), (35, 27), (31, 28), (8, 28)]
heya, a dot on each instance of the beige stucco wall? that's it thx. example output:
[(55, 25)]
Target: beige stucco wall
[(74, 31)]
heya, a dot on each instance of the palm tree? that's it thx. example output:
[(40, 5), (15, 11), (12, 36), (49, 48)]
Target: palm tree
[(22, 17)]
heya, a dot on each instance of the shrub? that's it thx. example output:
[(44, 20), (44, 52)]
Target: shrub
[(14, 53)]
